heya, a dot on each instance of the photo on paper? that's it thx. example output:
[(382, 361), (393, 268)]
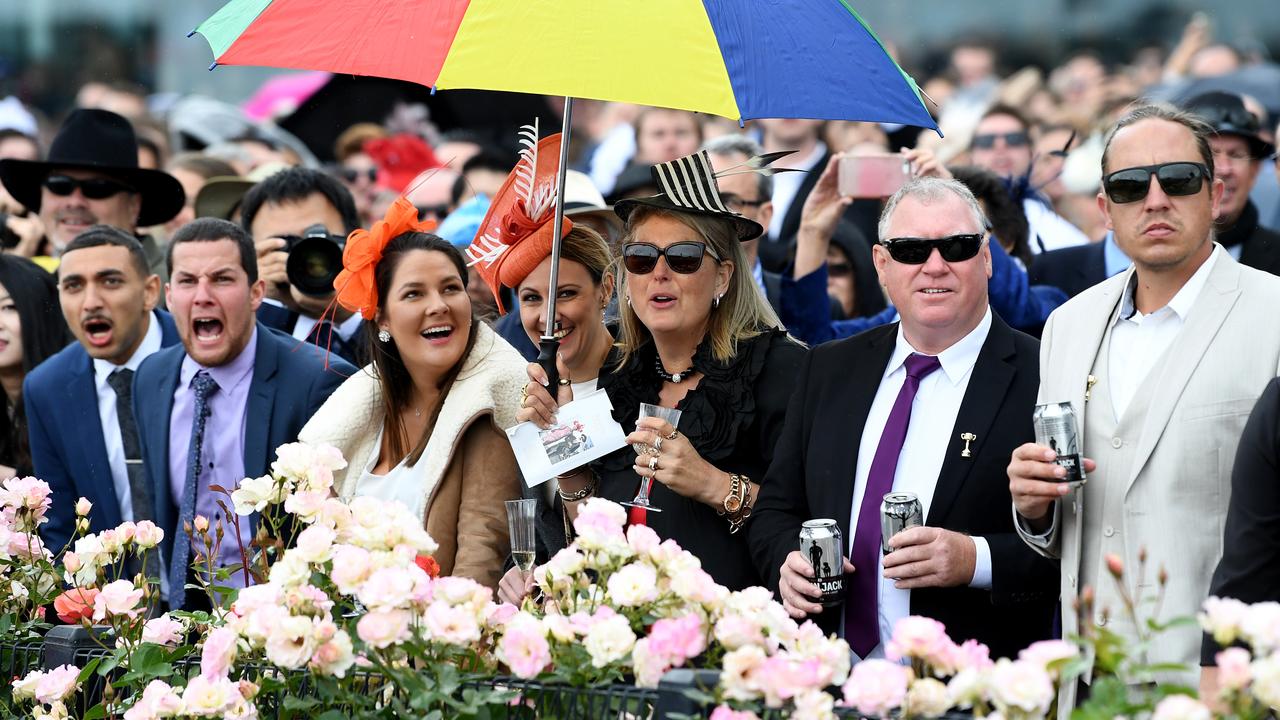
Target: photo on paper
[(584, 430), (562, 442)]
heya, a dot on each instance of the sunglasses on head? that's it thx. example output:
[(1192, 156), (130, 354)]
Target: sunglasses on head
[(986, 141), (1175, 178), (682, 257), (92, 188), (353, 174), (916, 251)]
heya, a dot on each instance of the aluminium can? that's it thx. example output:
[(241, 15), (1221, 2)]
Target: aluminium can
[(822, 545), (898, 511), (1056, 427)]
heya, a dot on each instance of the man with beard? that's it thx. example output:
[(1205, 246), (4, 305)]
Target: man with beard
[(1238, 152), (84, 439), (91, 177)]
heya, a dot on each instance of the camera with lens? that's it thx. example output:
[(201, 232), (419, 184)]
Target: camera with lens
[(315, 259)]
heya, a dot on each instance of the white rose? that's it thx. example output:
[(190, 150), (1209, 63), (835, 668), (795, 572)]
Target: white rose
[(1260, 625), (633, 585), (967, 688), (928, 697), (290, 642), (813, 705), (147, 535), (1266, 680), (351, 566), (290, 571), (315, 543), (1181, 707), (1022, 687), (738, 668), (609, 640), (255, 494), (209, 697)]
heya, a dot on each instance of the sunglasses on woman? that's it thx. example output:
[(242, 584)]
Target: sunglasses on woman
[(92, 188), (986, 141), (1176, 179), (682, 257), (916, 251)]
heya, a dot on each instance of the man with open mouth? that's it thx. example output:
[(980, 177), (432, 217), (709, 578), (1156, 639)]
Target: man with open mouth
[(92, 177), (212, 410), (84, 440)]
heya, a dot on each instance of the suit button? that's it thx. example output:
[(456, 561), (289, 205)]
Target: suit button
[(1109, 531), (1100, 620), (1116, 443), (1072, 579)]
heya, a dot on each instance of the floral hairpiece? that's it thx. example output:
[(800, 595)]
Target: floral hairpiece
[(357, 291)]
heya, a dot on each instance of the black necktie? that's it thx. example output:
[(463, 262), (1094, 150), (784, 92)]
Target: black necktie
[(121, 381)]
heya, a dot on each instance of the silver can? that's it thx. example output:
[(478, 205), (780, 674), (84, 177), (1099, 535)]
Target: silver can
[(822, 545), (898, 511), (1056, 427)]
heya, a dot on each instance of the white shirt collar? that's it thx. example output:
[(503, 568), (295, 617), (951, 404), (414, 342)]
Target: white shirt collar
[(151, 342), (1185, 298), (956, 360)]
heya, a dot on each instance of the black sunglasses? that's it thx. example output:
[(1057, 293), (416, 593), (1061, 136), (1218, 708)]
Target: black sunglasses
[(682, 257), (352, 174), (839, 270), (916, 251), (736, 203), (986, 141), (92, 188), (1176, 179)]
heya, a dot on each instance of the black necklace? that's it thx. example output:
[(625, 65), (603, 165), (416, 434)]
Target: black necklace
[(670, 377)]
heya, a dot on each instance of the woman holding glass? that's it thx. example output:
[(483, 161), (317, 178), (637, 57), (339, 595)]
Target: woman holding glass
[(422, 424), (695, 335)]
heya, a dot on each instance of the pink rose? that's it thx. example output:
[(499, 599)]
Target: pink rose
[(1050, 654), (919, 638), (351, 567), (75, 604), (523, 647), (497, 615), (163, 630), (735, 631), (57, 684), (218, 653), (83, 506), (334, 657), (649, 665), (724, 712), (117, 598), (970, 654), (383, 628), (453, 624), (147, 535), (784, 676), (876, 686), (642, 539), (1233, 668), (678, 638), (387, 588)]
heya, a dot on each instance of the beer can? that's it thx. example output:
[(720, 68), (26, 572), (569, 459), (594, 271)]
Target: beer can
[(822, 546), (898, 511), (1057, 428)]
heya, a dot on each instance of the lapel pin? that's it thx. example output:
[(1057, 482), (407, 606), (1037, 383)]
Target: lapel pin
[(1088, 389), (967, 437)]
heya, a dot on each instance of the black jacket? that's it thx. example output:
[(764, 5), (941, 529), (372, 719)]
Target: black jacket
[(1071, 269), (812, 476), (1261, 246)]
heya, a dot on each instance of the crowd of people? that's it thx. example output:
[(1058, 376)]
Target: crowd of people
[(170, 316)]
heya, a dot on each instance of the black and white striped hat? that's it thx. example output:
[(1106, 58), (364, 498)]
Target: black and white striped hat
[(688, 184)]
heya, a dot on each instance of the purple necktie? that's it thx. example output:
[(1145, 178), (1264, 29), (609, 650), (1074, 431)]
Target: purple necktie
[(861, 621)]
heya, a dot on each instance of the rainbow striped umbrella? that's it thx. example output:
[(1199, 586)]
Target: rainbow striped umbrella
[(739, 59)]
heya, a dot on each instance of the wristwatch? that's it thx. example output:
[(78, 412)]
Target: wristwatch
[(733, 501)]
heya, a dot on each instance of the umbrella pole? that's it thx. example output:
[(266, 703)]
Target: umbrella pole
[(548, 345)]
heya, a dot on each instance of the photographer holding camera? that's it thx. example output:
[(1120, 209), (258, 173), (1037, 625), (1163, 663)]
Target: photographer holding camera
[(299, 219)]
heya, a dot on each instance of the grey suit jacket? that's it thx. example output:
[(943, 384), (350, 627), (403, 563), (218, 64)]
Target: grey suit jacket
[(1176, 495)]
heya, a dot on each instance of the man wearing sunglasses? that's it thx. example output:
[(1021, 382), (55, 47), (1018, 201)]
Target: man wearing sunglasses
[(92, 177), (1002, 144), (1238, 152), (931, 405), (1163, 363)]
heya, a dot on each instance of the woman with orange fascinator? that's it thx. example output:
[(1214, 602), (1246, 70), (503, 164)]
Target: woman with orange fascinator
[(514, 251), (423, 423)]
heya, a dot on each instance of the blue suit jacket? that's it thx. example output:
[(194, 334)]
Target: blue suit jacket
[(290, 382), (67, 447)]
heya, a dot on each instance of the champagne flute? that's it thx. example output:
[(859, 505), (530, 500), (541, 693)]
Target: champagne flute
[(521, 521), (672, 416)]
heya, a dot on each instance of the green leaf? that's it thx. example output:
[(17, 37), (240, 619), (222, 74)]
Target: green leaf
[(96, 712), (88, 669), (299, 703), (330, 715)]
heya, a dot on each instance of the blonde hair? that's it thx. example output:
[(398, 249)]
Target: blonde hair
[(585, 247), (742, 313)]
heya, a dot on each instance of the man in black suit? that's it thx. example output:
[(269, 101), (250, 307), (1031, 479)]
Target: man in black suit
[(294, 203), (1076, 269), (932, 405)]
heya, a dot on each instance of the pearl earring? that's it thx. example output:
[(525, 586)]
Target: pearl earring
[(715, 302), (384, 336)]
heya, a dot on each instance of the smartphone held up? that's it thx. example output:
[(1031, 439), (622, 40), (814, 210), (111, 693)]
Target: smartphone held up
[(873, 175)]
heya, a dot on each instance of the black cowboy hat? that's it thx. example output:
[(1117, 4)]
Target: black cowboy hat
[(688, 185), (1226, 114), (104, 142)]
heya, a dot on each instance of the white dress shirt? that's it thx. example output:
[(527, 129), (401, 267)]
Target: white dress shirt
[(1047, 230), (933, 419), (1139, 341), (102, 370), (303, 326), (787, 184)]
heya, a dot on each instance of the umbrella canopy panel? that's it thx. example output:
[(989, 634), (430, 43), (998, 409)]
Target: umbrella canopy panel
[(740, 59)]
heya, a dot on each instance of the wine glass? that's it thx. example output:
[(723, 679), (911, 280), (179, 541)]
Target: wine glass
[(521, 521), (672, 416)]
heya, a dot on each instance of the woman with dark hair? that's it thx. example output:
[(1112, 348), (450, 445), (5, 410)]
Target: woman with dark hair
[(423, 423), (31, 329)]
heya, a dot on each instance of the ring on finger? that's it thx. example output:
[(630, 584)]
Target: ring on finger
[(673, 434), (657, 444), (653, 462)]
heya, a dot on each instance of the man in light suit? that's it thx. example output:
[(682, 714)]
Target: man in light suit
[(931, 405), (213, 410), (84, 441), (1163, 364)]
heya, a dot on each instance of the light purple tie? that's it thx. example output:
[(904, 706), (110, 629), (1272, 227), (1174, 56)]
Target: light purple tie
[(861, 621)]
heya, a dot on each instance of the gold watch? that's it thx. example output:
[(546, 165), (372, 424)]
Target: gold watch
[(733, 501)]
